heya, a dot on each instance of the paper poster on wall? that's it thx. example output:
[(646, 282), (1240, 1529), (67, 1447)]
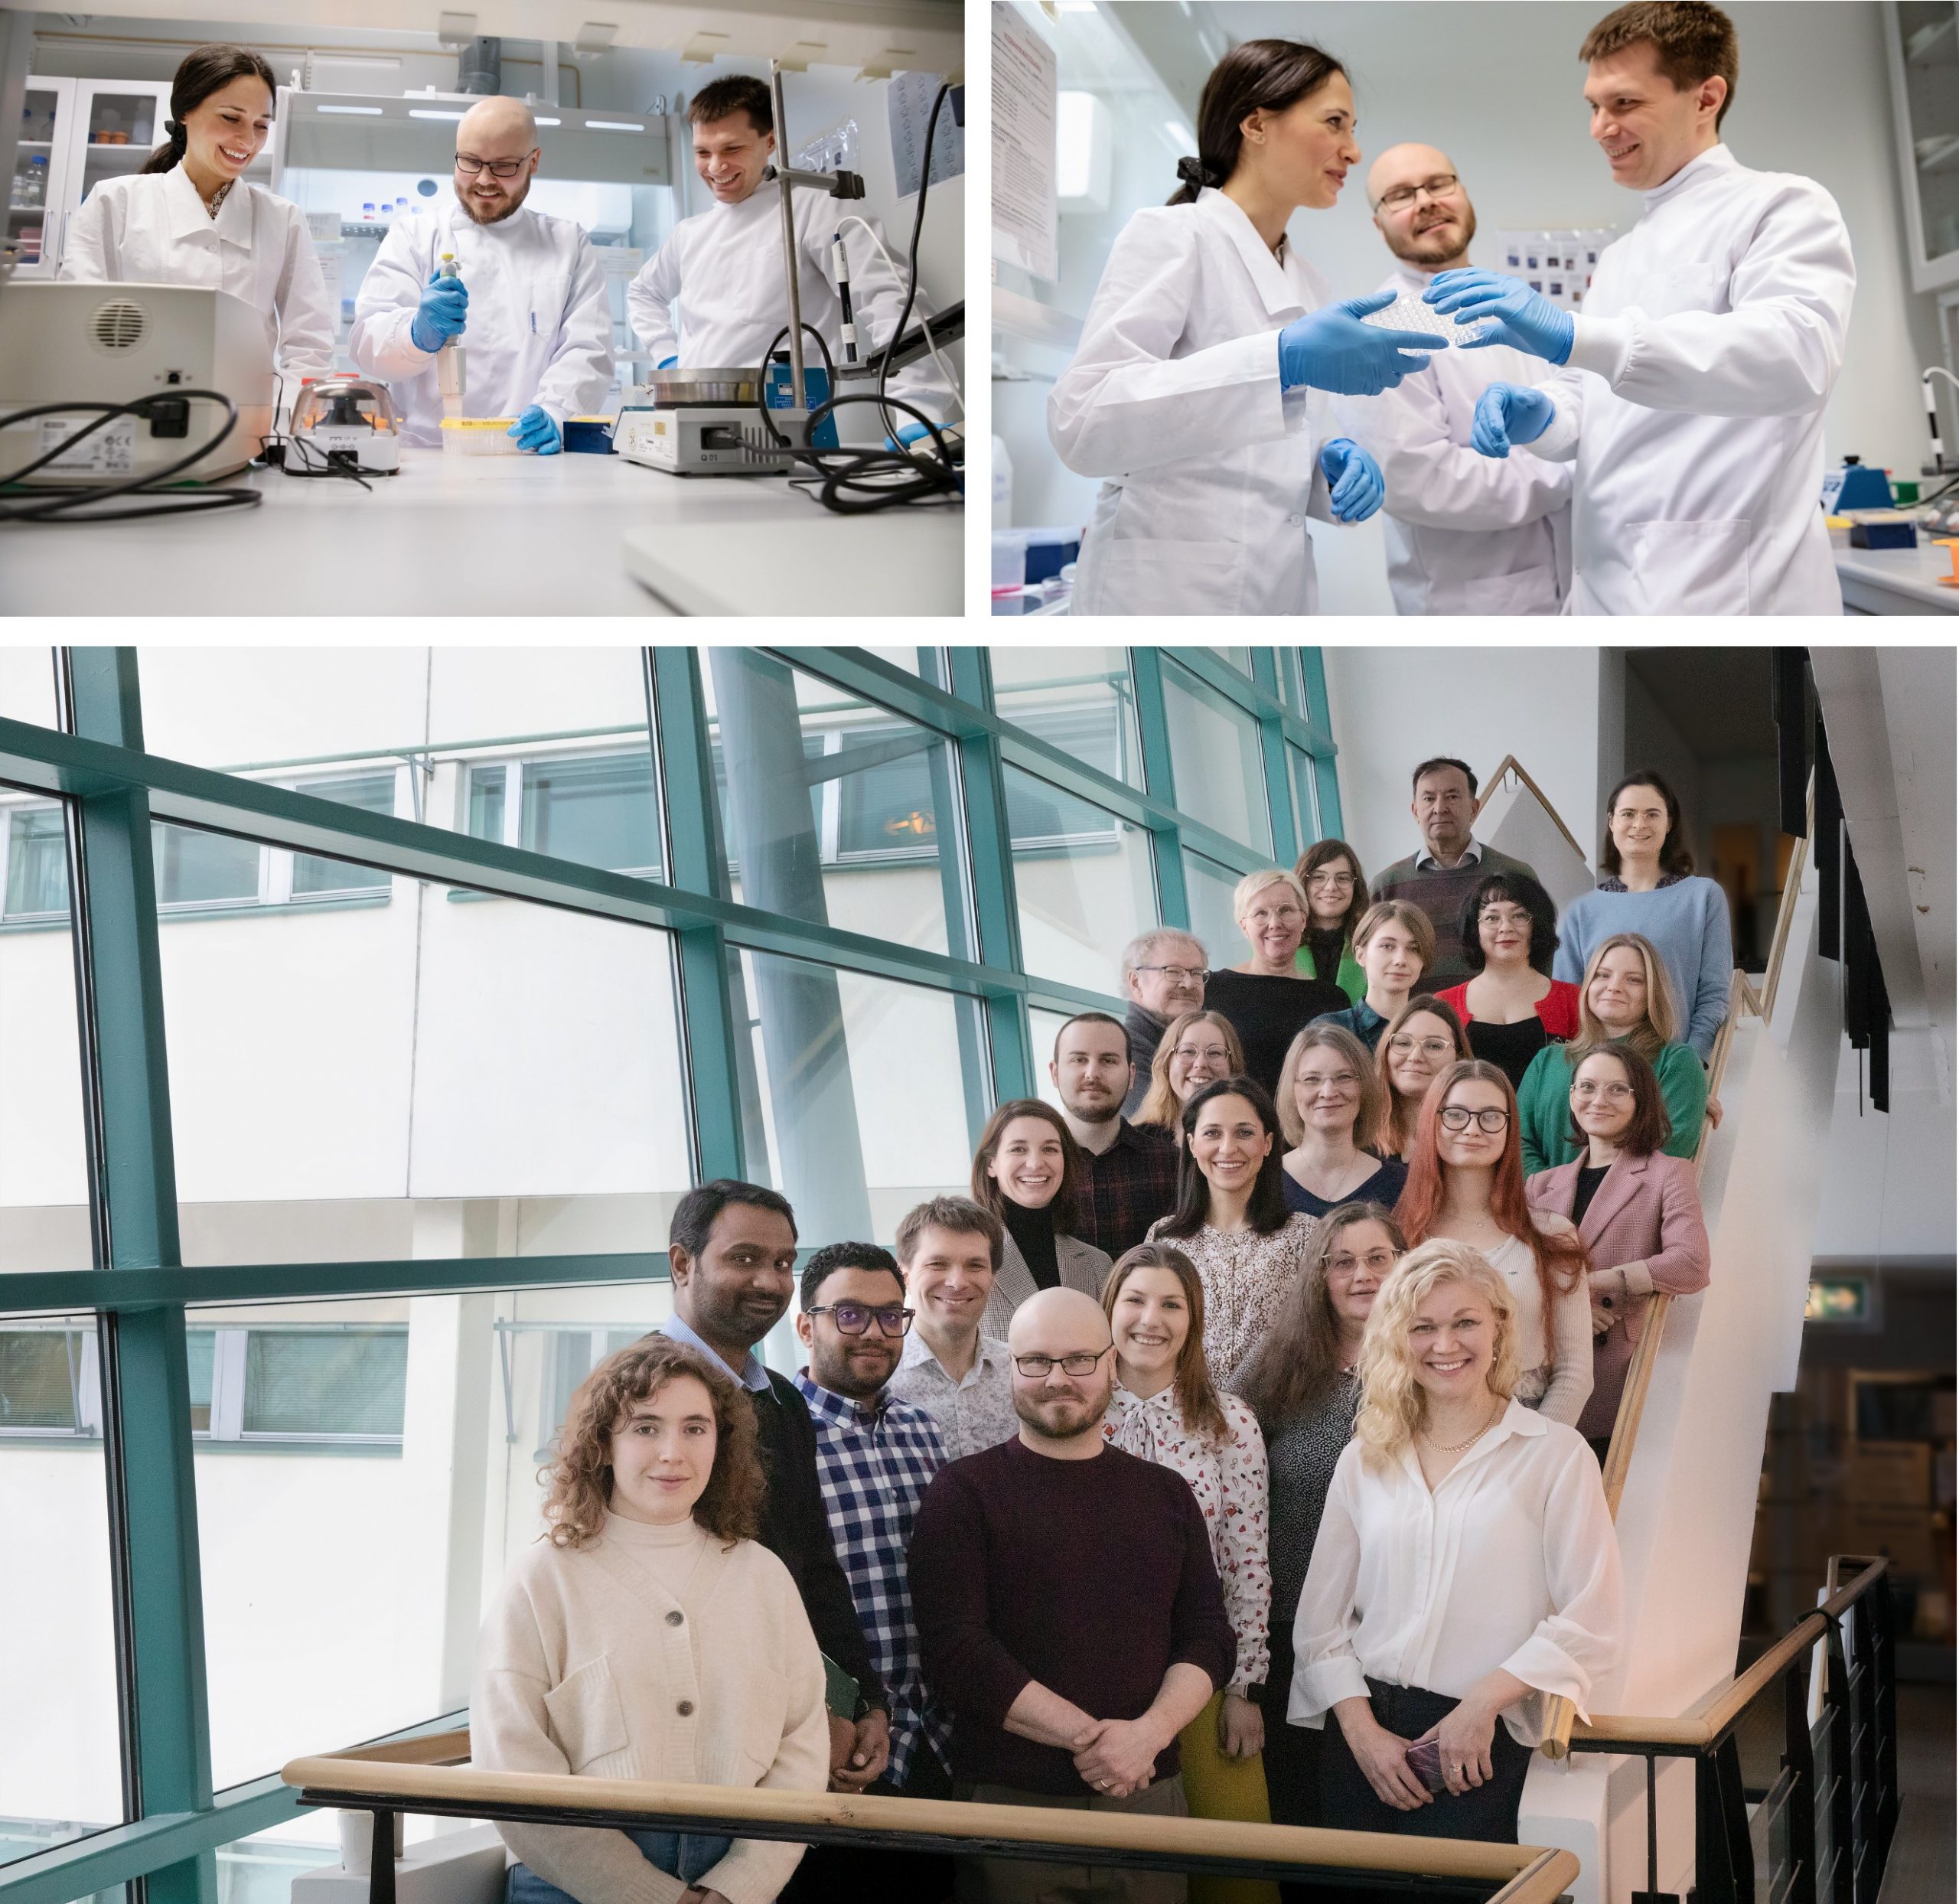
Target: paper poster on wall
[(1025, 220), (1559, 262), (909, 99)]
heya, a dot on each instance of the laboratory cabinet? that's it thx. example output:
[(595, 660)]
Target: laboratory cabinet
[(1921, 40)]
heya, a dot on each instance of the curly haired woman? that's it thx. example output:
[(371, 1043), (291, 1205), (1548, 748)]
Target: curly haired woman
[(649, 1636)]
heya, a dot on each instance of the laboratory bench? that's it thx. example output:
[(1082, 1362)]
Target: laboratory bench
[(1897, 581), (498, 535)]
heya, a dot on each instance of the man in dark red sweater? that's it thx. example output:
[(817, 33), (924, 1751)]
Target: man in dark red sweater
[(1068, 1611)]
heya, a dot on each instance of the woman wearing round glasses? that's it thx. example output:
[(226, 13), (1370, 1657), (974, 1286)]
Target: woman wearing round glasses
[(1466, 1184), (1638, 1211), (1625, 1000), (1511, 1007), (1166, 1410), (1266, 998), (1330, 1113), (1336, 902), (1197, 1049), (1422, 1041)]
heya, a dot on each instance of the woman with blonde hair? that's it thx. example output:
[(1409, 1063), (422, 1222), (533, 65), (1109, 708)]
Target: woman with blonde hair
[(1196, 1049), (650, 1526), (1166, 1410), (1266, 998), (1521, 1601), (1329, 1113), (1422, 1041), (1627, 998)]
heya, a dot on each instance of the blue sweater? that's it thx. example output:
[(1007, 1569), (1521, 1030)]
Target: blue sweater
[(1688, 923)]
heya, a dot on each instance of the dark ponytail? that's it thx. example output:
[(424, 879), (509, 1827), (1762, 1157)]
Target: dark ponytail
[(203, 73), (1259, 76)]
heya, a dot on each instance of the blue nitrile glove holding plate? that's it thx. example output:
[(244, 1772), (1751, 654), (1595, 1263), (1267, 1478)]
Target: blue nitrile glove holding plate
[(444, 310), (1508, 413), (1510, 311), (1333, 349), (1354, 477), (535, 430)]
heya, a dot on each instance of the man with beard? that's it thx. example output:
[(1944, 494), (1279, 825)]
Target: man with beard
[(1129, 1174), (1068, 1609), (528, 306), (1460, 541), (732, 1249)]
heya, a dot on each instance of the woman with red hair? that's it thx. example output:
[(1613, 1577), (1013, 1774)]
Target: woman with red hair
[(1465, 1182)]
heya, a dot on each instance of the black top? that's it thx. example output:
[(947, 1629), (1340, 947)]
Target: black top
[(1146, 1030), (1266, 1013), (1510, 1048), (1300, 1456), (1589, 1178), (796, 1529), (1034, 1231), (1326, 948), (1383, 1187)]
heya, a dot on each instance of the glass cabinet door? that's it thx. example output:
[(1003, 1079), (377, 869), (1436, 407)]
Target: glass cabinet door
[(33, 190), (1928, 37), (119, 124)]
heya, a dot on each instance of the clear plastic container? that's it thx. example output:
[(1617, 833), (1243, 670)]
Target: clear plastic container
[(479, 436), (1408, 313)]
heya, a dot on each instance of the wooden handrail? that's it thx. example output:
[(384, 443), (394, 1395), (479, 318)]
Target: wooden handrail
[(363, 1779), (1786, 913), (1509, 765)]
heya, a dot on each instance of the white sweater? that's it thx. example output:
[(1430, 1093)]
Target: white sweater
[(654, 1653)]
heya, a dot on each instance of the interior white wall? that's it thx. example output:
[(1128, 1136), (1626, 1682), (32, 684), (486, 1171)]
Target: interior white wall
[(1887, 1190)]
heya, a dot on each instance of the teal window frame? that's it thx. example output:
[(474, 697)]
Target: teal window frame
[(141, 1294)]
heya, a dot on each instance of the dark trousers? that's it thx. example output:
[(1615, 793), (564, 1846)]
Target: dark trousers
[(1347, 1802), (845, 1874), (1293, 1755)]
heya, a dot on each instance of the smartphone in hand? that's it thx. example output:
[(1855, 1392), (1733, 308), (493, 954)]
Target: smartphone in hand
[(1424, 1758)]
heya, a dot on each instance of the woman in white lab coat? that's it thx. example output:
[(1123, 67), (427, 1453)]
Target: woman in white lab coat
[(188, 217), (1192, 391)]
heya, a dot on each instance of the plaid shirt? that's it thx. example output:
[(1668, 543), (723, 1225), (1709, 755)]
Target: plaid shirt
[(874, 1465), (1130, 1185)]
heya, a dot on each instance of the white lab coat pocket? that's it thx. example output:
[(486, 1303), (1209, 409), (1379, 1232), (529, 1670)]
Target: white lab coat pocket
[(586, 1715), (1139, 575), (1524, 592), (1689, 568)]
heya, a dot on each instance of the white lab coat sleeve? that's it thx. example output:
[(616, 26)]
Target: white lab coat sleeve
[(306, 321), (1435, 482), (88, 253), (580, 372), (650, 303), (1775, 351), (1559, 442), (390, 294), (1126, 403)]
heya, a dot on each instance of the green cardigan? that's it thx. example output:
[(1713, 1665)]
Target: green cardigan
[(1544, 1105), (1350, 978)]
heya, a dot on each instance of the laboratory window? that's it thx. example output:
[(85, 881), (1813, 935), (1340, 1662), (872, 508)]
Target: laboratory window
[(196, 868), (37, 863), (49, 1384), (594, 810), (314, 876), (342, 1384)]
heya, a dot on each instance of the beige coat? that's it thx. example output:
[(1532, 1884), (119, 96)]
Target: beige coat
[(1081, 1264)]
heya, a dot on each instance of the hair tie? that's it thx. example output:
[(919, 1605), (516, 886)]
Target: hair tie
[(179, 136), (1194, 171)]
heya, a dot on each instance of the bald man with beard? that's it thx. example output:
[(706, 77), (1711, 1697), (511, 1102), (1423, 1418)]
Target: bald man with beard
[(529, 306), (1459, 541)]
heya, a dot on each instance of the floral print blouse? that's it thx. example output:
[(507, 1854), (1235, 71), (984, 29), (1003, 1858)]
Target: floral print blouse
[(1245, 1277), (1228, 1478)]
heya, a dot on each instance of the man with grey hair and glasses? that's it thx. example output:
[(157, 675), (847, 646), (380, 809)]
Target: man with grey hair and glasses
[(1163, 975)]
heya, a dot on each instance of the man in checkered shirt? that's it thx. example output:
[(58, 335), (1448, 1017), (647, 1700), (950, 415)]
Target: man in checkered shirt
[(875, 1456)]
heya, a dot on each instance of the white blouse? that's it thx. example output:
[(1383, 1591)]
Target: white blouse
[(1228, 1478), (1511, 1562)]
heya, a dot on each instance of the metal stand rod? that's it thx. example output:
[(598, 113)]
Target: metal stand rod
[(786, 185), (381, 1863)]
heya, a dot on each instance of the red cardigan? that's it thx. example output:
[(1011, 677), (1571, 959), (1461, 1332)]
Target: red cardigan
[(1558, 1009)]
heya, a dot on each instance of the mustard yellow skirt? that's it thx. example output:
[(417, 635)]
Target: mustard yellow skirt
[(1218, 1787)]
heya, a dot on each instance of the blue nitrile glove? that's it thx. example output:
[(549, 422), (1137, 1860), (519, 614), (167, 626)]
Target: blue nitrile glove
[(906, 433), (1514, 314), (667, 364), (1333, 349), (1355, 477), (444, 310), (1508, 413), (535, 430)]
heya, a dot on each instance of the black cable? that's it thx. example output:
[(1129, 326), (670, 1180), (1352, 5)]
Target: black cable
[(918, 227), (63, 503)]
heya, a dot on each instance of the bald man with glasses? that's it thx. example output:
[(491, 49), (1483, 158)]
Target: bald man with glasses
[(1459, 542)]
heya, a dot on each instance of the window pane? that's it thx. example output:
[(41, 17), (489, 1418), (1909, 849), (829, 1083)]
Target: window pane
[(1079, 699), (487, 800), (27, 692), (1305, 797), (372, 793), (599, 812), (60, 1776), (200, 1350), (1239, 658), (831, 810), (202, 868), (874, 1074), (1208, 887), (1082, 883), (36, 863), (1215, 760), (303, 1382), (1043, 1027)]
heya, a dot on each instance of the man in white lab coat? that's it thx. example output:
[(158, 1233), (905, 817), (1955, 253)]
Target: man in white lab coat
[(528, 307), (715, 295), (1466, 534), (1695, 378)]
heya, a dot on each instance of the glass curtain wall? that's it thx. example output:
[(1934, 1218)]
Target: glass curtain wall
[(363, 1015)]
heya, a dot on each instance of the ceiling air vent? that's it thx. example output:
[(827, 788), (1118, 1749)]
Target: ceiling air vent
[(118, 325)]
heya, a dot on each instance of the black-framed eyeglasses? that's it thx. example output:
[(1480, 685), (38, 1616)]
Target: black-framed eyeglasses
[(1195, 972), (1438, 187), (853, 1318), (496, 167), (1039, 1367), (1491, 1118)]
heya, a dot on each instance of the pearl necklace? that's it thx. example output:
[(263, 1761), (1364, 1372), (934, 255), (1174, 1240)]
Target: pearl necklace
[(1458, 1449)]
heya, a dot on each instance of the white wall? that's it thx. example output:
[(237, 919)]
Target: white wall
[(1888, 1189)]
